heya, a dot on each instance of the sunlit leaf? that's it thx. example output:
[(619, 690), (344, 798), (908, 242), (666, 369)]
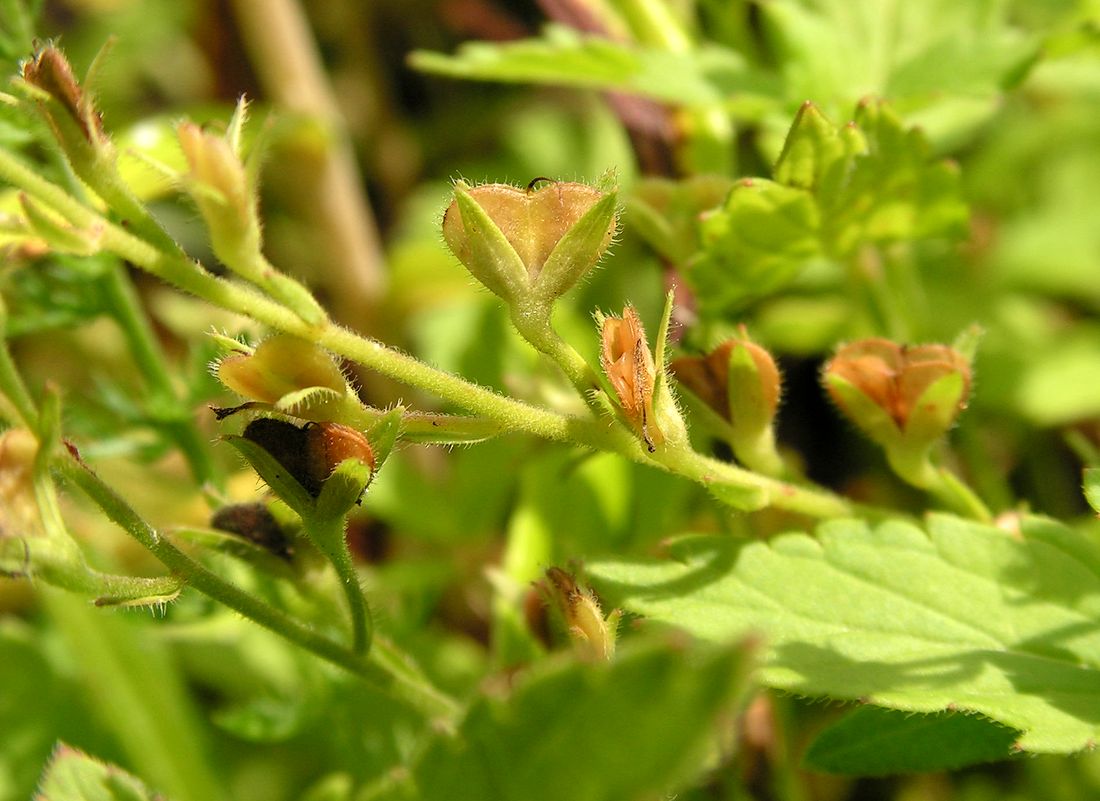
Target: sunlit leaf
[(961, 616)]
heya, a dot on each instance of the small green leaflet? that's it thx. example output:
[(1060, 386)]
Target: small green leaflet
[(960, 616), (74, 776)]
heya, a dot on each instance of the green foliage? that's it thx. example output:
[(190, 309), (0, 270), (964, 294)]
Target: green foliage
[(343, 610), (872, 741), (965, 616), (74, 776), (837, 193), (565, 58), (589, 732)]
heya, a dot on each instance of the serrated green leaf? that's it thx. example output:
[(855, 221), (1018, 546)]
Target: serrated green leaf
[(814, 147), (759, 240), (945, 62), (665, 213), (586, 732), (962, 615), (564, 57), (74, 776), (871, 741), (894, 191), (837, 190)]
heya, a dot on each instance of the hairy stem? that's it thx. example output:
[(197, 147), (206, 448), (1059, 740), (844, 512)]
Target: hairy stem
[(385, 670), (510, 414)]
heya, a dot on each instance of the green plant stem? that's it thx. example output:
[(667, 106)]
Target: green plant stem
[(13, 388), (330, 536), (510, 414), (940, 483), (713, 473), (384, 669), (152, 363), (534, 326), (654, 23)]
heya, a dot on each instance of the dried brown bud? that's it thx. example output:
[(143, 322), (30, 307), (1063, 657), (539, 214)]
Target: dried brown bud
[(50, 71), (592, 634), (708, 377), (897, 379), (628, 365)]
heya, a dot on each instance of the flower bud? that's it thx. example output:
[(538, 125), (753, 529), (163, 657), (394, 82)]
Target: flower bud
[(519, 242), (593, 635), (904, 398), (223, 192), (739, 380), (628, 365), (69, 111), (283, 368)]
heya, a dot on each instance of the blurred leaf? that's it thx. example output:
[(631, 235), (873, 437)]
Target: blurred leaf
[(56, 292), (837, 190), (74, 776), (17, 29), (630, 729), (755, 243), (1060, 383), (665, 213), (564, 57), (943, 63), (32, 705), (871, 741), (1092, 488), (965, 616)]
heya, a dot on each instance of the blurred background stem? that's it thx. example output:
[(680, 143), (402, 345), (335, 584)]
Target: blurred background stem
[(288, 66)]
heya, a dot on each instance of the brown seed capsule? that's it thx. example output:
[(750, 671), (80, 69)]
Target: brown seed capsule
[(896, 377), (328, 444), (628, 365), (708, 377), (310, 453), (533, 220), (255, 523)]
